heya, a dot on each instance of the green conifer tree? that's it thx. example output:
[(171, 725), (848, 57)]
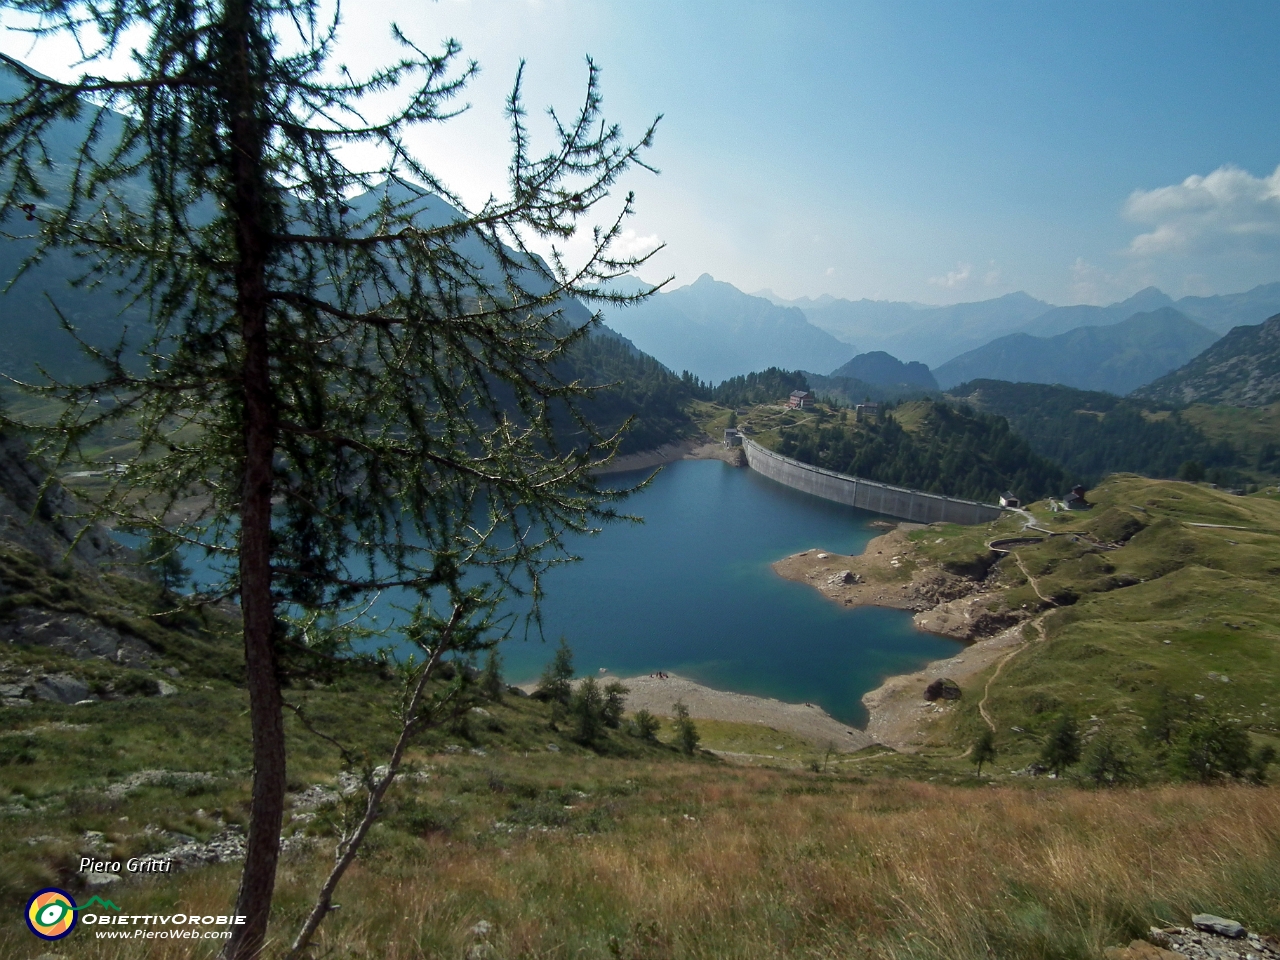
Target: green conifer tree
[(1062, 747), (615, 703), (687, 738), (363, 380), (984, 749), (491, 684), (556, 682), (586, 707)]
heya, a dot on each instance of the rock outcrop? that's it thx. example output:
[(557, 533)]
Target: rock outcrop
[(42, 517)]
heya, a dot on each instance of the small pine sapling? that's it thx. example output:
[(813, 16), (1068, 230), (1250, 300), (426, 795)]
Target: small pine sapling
[(1062, 748), (645, 726), (1108, 762), (984, 749), (615, 702), (586, 707), (687, 738), (491, 685), (556, 683)]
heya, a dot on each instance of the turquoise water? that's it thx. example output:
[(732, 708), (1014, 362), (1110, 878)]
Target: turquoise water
[(691, 592)]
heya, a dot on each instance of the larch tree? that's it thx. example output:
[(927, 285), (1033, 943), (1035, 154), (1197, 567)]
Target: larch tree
[(364, 378)]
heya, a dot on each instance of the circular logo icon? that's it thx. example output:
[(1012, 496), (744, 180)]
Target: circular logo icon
[(51, 913)]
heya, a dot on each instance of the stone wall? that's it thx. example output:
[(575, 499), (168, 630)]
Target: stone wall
[(866, 494)]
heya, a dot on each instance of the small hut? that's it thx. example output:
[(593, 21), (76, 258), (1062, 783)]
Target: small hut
[(1075, 499)]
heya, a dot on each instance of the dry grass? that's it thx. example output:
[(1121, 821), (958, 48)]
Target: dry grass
[(701, 862)]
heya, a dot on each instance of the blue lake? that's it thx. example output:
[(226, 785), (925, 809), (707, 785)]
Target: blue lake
[(691, 592)]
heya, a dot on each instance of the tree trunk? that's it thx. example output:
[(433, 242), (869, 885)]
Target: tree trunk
[(247, 206)]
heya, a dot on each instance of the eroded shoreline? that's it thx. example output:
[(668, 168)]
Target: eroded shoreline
[(889, 573)]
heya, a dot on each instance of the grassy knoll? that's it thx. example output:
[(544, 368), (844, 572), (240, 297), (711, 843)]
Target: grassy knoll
[(1148, 614)]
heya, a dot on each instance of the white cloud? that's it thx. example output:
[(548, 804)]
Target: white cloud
[(992, 276), (831, 271), (629, 244), (954, 278), (1230, 210)]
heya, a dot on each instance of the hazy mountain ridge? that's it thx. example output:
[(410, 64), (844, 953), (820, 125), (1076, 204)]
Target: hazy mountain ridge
[(912, 332), (715, 331), (1062, 319), (936, 334), (1242, 369), (1117, 358)]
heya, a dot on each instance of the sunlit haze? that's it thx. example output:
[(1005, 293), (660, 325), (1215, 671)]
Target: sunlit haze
[(932, 152)]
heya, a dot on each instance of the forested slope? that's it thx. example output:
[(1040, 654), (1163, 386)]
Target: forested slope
[(931, 446)]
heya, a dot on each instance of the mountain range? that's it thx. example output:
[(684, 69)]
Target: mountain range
[(937, 334), (911, 331), (1117, 358)]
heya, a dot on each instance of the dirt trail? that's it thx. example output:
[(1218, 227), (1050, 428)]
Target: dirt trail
[(1032, 580)]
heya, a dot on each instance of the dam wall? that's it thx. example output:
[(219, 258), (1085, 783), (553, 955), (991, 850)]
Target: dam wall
[(866, 494)]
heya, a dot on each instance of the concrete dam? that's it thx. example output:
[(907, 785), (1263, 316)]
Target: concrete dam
[(866, 494)]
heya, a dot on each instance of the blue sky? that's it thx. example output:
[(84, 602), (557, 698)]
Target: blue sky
[(924, 151)]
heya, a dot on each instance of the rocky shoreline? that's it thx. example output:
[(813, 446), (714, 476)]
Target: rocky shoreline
[(888, 574)]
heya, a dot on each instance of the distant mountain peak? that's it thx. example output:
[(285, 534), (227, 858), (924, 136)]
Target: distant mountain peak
[(1148, 298)]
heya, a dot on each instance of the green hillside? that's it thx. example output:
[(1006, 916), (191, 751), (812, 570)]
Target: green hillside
[(1092, 434), (1162, 618), (1242, 369)]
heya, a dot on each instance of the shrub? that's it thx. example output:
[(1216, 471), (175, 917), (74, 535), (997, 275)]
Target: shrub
[(687, 738), (1109, 762), (645, 726), (1210, 749)]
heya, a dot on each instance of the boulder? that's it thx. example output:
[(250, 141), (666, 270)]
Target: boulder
[(1224, 928), (943, 688), (61, 688)]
